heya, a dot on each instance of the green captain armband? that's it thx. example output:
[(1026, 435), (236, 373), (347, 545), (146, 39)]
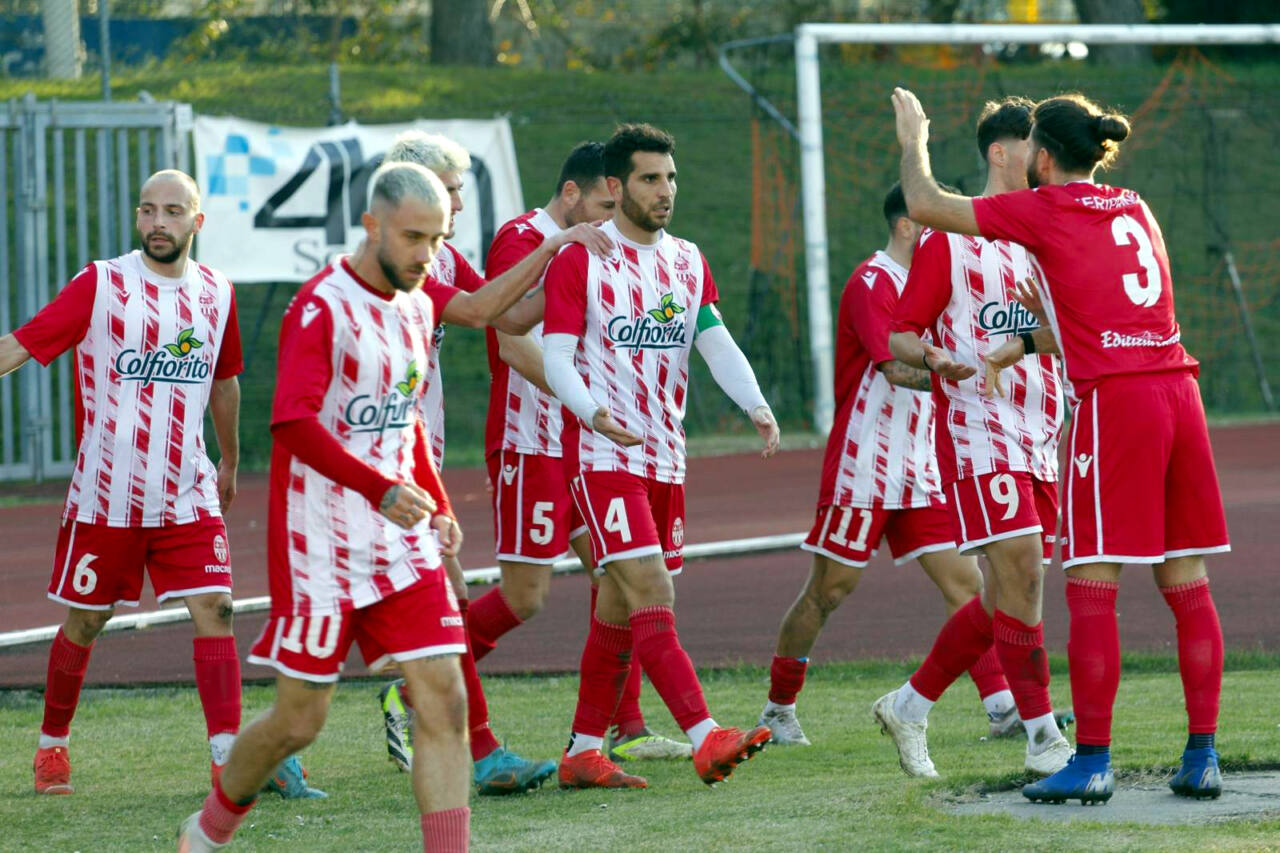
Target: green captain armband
[(708, 318)]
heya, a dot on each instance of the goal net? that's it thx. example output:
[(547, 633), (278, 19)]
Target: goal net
[(1202, 154)]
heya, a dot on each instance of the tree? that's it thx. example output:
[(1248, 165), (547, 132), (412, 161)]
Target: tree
[(461, 33), (1115, 12)]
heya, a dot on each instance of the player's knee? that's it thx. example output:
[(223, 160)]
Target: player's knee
[(83, 626), (526, 600), (445, 701)]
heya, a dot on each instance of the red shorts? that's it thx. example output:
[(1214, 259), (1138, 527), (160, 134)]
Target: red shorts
[(1142, 486), (851, 535), (534, 518), (97, 567), (629, 516), (1004, 504), (418, 622)]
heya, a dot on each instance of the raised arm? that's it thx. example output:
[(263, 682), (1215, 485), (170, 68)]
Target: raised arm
[(927, 203), (224, 409)]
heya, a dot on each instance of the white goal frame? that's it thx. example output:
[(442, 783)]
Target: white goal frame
[(809, 119)]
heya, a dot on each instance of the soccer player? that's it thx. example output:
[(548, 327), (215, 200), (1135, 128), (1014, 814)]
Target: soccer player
[(358, 516), (534, 518), (1142, 487), (879, 481), (999, 459), (156, 343), (462, 296), (617, 337)]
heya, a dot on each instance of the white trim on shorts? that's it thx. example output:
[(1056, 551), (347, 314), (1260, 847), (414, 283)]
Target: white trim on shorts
[(80, 606), (295, 673), (66, 565), (973, 546), (429, 652), (844, 561), (1147, 560), (1196, 552), (642, 551), (578, 531), (199, 590), (533, 561), (922, 550)]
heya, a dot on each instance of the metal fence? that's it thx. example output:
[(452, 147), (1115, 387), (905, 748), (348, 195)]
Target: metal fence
[(69, 175)]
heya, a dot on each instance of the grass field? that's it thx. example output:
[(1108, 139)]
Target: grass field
[(141, 766)]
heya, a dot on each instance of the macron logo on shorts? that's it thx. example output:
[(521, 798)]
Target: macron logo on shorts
[(451, 621), (1083, 461), (508, 474)]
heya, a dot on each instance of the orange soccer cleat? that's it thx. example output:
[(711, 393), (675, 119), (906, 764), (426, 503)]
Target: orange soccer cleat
[(724, 749), (53, 771), (590, 769)]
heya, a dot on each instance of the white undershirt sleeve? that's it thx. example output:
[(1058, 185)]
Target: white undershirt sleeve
[(729, 367), (564, 379)]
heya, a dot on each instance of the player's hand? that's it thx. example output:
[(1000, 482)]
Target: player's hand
[(940, 363), (603, 423), (226, 484), (406, 505), (589, 235), (1005, 355), (912, 124), (1027, 294), (449, 533), (767, 426)]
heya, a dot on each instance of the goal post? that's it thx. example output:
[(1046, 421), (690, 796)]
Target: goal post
[(809, 112)]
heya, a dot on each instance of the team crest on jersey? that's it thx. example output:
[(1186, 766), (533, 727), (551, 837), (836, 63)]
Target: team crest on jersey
[(677, 533), (170, 363), (365, 414), (654, 329), (220, 548)]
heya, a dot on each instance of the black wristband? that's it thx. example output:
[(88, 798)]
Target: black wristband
[(924, 359), (1028, 342)]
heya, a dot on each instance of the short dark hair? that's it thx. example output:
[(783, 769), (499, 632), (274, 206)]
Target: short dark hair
[(1076, 132), (895, 206), (1009, 118), (627, 139), (584, 166)]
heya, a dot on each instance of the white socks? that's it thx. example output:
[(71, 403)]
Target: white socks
[(998, 704), (773, 707), (1041, 732), (47, 742), (910, 706), (220, 747), (699, 732), (581, 743)]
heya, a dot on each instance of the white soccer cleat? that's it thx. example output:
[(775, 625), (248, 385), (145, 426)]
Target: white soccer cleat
[(785, 727), (913, 745), (1007, 724), (648, 746), (1051, 759), (191, 839)]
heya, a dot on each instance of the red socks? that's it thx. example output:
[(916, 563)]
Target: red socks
[(67, 665), (1093, 657), (482, 740), (490, 617), (218, 683), (987, 674), (220, 817), (1020, 648), (669, 668), (964, 638), (1199, 652), (603, 671), (628, 719), (786, 679), (448, 831)]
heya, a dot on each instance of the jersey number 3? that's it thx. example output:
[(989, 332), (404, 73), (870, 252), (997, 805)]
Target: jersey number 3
[(1126, 231)]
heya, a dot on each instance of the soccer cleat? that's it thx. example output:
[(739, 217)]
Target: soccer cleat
[(1051, 759), (53, 771), (1009, 724), (503, 772), (192, 840), (1087, 778), (590, 769), (1199, 776), (290, 781), (647, 746), (908, 737), (398, 721), (784, 726), (726, 748)]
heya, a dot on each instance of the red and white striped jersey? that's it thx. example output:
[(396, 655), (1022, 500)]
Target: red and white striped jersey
[(635, 314), (959, 288), (355, 360), (880, 450), (450, 272), (147, 351), (521, 417)]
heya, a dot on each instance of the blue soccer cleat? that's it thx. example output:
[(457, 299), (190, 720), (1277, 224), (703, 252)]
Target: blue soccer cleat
[(1087, 778), (504, 772), (1199, 776), (290, 781)]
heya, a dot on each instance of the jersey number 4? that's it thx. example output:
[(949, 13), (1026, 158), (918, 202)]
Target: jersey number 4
[(1127, 231)]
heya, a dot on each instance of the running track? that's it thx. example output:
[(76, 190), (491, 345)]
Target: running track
[(728, 608)]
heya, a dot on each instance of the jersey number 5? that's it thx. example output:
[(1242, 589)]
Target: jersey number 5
[(1124, 229)]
